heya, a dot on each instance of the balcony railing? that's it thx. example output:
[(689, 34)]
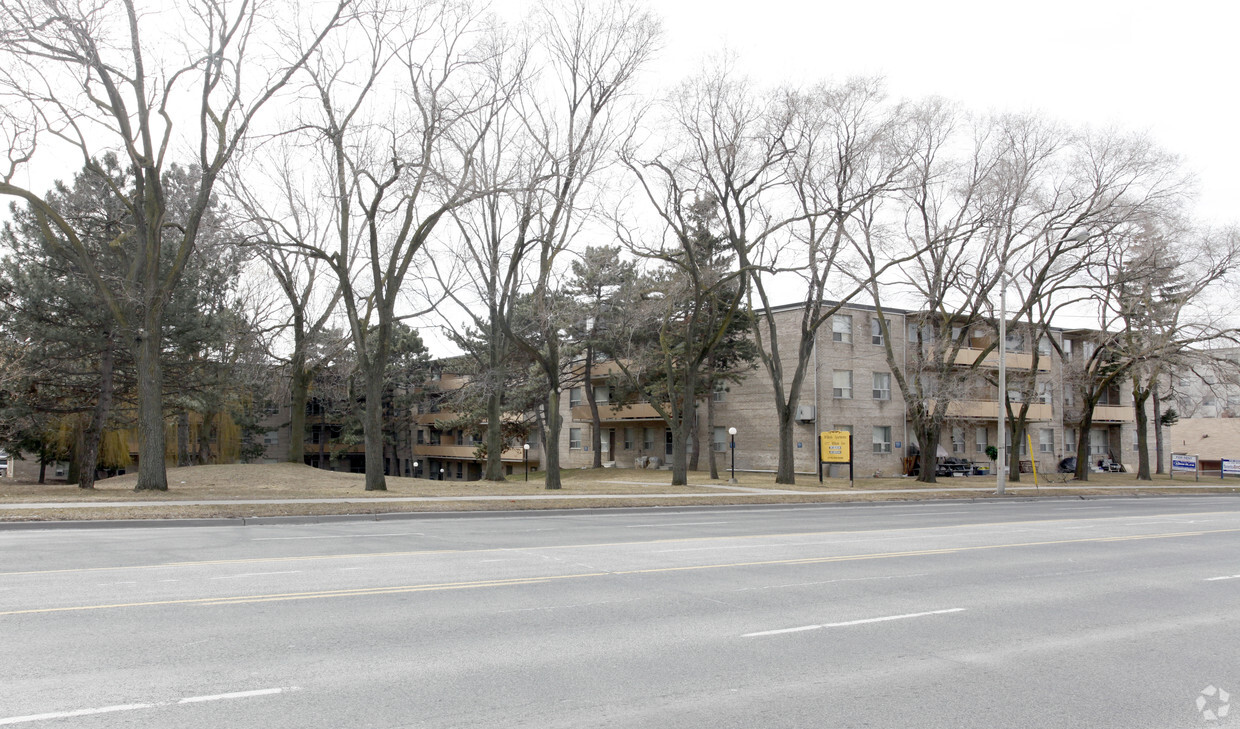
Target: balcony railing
[(467, 453), (1016, 360), (608, 414), (989, 409)]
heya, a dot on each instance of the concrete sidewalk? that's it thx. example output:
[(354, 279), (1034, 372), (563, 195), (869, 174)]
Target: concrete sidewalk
[(731, 492)]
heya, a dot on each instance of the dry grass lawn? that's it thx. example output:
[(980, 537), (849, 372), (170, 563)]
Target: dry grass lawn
[(224, 486)]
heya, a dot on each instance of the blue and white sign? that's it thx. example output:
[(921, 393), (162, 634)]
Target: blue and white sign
[(897, 444), (1231, 467), (1183, 462)]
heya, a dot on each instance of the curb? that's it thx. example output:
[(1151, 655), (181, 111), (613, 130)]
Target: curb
[(523, 513)]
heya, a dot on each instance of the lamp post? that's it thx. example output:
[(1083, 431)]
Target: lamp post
[(415, 469), (526, 449), (732, 432), (440, 474)]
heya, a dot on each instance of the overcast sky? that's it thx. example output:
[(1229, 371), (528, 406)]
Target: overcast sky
[(1169, 69)]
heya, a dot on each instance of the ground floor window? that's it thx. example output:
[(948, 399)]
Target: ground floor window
[(574, 438), (720, 441), (1046, 440), (882, 438), (980, 439), (1099, 442)]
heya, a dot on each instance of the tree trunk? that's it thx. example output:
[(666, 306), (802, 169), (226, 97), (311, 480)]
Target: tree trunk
[(372, 425), (1016, 427), (680, 461), (88, 456), (152, 471), (786, 471), (587, 387), (1082, 444), (928, 435), (710, 430), (183, 438), (551, 437), (495, 434), (1158, 431), (695, 437), (299, 395), (1139, 398)]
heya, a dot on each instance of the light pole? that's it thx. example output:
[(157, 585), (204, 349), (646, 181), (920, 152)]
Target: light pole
[(732, 432), (441, 474), (415, 469), (526, 449)]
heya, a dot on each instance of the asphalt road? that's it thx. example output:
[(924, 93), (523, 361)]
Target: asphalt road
[(1099, 613)]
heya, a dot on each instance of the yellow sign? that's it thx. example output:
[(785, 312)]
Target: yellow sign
[(835, 446)]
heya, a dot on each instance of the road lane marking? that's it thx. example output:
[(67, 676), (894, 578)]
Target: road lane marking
[(683, 523), (536, 579), (135, 707), (1003, 525), (257, 574), (1229, 577), (850, 623), (339, 536)]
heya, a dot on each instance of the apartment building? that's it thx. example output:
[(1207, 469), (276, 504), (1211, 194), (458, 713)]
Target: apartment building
[(850, 387), (446, 452)]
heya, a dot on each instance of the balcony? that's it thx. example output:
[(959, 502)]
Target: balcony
[(335, 447), (989, 409), (1114, 414), (467, 453), (431, 418), (1015, 360), (608, 414)]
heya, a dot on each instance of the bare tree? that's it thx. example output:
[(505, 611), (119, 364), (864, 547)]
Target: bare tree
[(574, 117), (399, 124), (104, 75), (282, 227)]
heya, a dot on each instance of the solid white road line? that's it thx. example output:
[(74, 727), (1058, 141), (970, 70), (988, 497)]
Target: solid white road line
[(258, 574), (339, 536), (684, 523), (1229, 577), (852, 622), (136, 707)]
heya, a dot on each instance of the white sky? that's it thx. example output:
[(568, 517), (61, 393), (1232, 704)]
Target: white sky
[(1169, 69)]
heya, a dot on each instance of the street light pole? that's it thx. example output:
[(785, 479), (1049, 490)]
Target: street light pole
[(415, 469), (526, 449), (732, 432)]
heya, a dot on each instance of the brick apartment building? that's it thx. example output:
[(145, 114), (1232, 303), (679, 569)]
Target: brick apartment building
[(850, 387)]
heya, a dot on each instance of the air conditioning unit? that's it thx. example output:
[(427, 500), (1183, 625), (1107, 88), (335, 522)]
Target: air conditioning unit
[(806, 413)]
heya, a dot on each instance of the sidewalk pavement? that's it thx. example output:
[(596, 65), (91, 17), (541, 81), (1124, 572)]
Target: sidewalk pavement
[(731, 491)]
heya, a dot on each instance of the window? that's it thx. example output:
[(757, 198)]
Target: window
[(604, 443), (1098, 442), (1044, 346), (272, 437), (720, 442), (460, 437), (882, 438), (845, 428), (601, 394), (841, 384), (1069, 440), (648, 439), (876, 330), (957, 440), (1044, 392), (1015, 341), (882, 386), (434, 436), (1136, 440), (460, 469), (721, 391), (628, 439), (841, 328), (1046, 441), (980, 439), (574, 438), (421, 436), (574, 397)]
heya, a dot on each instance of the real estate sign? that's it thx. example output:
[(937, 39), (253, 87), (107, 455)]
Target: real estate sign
[(1231, 467), (1183, 462), (835, 446)]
